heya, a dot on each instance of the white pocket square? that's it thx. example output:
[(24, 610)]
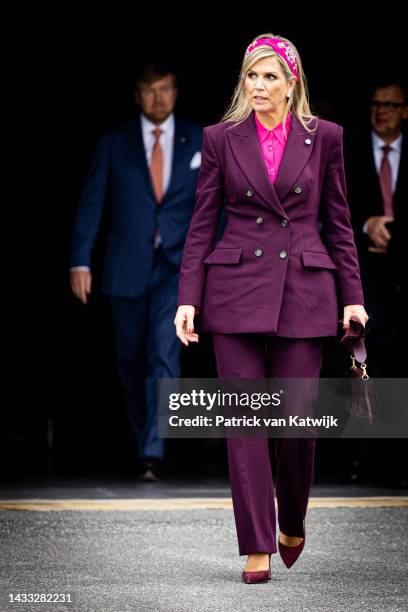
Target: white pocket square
[(195, 160)]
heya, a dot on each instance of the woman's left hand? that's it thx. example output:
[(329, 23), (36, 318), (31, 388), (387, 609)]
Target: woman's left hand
[(354, 309)]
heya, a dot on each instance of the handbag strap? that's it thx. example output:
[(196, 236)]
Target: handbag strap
[(354, 340)]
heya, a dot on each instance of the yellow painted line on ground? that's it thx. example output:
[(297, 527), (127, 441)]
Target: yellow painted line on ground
[(185, 503)]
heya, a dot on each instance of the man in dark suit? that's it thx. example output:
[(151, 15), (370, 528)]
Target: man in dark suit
[(376, 166), (147, 170)]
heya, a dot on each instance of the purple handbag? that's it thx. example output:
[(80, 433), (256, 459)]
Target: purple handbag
[(359, 388)]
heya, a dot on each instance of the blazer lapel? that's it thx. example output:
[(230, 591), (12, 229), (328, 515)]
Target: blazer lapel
[(180, 151), (247, 151), (298, 149), (375, 198), (136, 154), (402, 165)]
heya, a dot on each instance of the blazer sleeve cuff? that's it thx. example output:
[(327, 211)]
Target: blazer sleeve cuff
[(354, 298), (189, 299)]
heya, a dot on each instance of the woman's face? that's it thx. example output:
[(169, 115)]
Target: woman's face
[(266, 86)]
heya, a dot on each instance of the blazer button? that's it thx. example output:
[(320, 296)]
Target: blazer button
[(283, 254), (297, 189), (258, 252), (259, 220), (308, 141), (249, 193), (284, 222)]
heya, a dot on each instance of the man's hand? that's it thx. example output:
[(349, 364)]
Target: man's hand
[(184, 322), (81, 282), (378, 233)]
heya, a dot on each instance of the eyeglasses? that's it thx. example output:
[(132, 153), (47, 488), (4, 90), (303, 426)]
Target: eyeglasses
[(387, 105)]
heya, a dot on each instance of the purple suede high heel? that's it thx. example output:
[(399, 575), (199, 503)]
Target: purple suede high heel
[(289, 554), (256, 577)]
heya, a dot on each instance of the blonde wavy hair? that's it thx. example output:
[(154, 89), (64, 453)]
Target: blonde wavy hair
[(240, 107)]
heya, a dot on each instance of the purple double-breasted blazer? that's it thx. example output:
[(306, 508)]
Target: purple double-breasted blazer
[(287, 260)]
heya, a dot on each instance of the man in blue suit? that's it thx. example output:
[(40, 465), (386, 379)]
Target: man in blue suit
[(147, 171)]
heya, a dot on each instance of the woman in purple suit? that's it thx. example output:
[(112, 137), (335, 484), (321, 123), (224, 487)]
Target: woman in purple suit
[(271, 289)]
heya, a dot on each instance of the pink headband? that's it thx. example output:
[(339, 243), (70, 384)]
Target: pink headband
[(282, 48)]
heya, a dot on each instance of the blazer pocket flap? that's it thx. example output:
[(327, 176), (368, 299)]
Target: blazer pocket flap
[(315, 259), (224, 256)]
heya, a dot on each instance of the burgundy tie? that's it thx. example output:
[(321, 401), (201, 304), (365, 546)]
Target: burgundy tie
[(386, 182)]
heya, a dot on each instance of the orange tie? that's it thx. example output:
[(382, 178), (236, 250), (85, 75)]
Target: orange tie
[(156, 166)]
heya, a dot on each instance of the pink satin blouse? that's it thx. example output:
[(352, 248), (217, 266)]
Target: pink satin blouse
[(273, 145)]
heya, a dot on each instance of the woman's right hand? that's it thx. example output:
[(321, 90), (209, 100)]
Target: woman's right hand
[(184, 322)]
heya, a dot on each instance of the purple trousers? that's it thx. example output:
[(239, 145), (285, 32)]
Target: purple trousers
[(252, 484)]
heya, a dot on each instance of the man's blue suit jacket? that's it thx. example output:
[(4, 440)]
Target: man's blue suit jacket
[(119, 173)]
